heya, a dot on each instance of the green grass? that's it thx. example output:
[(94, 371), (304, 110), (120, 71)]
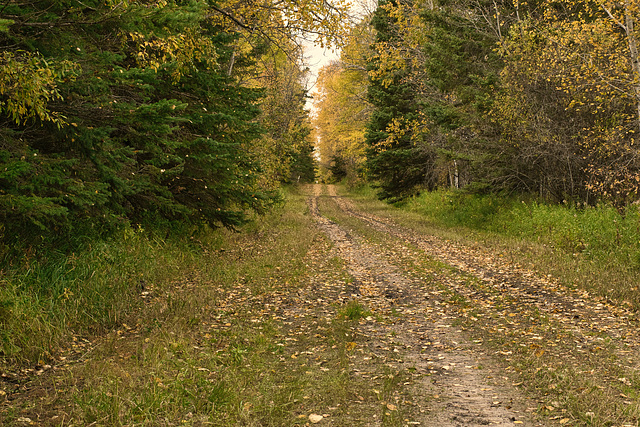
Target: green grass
[(48, 299), (192, 331), (354, 310), (46, 302), (596, 232)]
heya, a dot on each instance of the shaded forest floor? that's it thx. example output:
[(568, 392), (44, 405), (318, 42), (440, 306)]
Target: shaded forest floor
[(332, 315)]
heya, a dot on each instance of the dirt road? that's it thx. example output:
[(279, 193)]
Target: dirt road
[(441, 302), (330, 315), (454, 382)]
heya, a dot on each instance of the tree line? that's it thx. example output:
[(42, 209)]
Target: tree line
[(121, 112), (538, 96)]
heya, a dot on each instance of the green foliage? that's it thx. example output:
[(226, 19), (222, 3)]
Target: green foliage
[(401, 172), (599, 233), (338, 168), (303, 165), (44, 300), (353, 310), (121, 114), (539, 98), (397, 157), (5, 24), (462, 69), (459, 59), (459, 208), (429, 109)]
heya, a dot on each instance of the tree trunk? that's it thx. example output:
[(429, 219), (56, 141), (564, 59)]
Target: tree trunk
[(456, 174), (633, 53)]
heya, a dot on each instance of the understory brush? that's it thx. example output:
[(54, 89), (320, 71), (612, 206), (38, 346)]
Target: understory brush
[(79, 287), (597, 232)]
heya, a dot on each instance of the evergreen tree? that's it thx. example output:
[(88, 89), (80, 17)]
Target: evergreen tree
[(130, 114), (462, 71), (397, 157)]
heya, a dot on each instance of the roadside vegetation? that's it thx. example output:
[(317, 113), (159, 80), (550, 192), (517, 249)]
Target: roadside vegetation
[(260, 327)]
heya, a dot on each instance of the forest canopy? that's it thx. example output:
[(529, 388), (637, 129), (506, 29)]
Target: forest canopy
[(539, 97), (193, 112)]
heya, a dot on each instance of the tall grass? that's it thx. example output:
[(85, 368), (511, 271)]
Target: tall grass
[(599, 232), (50, 298), (45, 301)]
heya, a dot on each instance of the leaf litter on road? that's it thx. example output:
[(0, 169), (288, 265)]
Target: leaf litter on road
[(563, 345), (418, 338)]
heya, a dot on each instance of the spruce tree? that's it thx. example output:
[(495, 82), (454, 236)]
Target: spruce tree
[(401, 165), (143, 120)]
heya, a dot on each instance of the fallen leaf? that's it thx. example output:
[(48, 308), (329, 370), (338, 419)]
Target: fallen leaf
[(391, 407), (315, 418)]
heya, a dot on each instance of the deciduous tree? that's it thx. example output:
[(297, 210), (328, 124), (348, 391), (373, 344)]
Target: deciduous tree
[(343, 107)]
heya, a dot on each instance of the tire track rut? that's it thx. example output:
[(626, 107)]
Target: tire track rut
[(589, 319), (416, 334)]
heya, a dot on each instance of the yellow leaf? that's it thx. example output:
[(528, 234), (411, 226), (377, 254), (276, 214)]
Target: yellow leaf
[(315, 418)]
